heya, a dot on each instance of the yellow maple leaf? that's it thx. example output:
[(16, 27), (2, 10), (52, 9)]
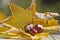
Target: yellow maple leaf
[(19, 17)]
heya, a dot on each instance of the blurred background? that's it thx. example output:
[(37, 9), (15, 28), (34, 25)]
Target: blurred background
[(42, 6)]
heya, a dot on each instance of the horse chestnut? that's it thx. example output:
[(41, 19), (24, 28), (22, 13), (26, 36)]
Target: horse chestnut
[(33, 31), (39, 28), (30, 29)]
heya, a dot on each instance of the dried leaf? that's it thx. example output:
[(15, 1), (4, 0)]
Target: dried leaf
[(19, 17)]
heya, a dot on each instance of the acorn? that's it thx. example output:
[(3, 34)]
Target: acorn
[(39, 28)]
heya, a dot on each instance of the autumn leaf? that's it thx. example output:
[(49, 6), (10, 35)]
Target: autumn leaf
[(19, 17)]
